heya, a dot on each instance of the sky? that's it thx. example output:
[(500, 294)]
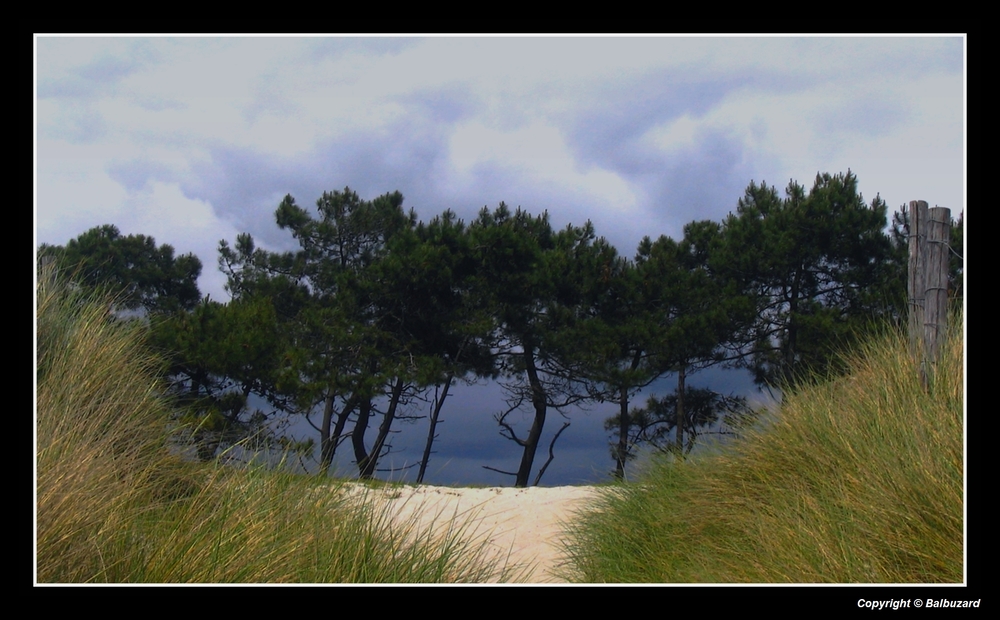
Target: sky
[(195, 139)]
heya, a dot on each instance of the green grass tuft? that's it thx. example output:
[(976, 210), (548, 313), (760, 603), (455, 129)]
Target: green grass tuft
[(856, 480)]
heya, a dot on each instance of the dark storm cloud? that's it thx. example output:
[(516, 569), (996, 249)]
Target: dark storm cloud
[(491, 182), (244, 188), (468, 414), (134, 174), (408, 155), (700, 182), (618, 114), (580, 455), (449, 104), (697, 181)]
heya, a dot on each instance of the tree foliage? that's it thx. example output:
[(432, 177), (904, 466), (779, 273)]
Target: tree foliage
[(700, 410), (374, 310), (351, 331), (681, 314), (426, 284), (132, 269), (812, 261), (532, 281), (218, 355)]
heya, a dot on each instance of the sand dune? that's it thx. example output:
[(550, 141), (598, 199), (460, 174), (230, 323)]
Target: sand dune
[(523, 525)]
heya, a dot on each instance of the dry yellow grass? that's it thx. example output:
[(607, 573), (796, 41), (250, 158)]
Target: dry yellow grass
[(114, 505)]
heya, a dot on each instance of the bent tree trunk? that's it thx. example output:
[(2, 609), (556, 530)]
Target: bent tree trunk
[(540, 403), (621, 452), (328, 439), (438, 403), (358, 436), (366, 465)]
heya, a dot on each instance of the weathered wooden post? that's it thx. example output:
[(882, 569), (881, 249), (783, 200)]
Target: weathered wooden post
[(927, 283), (936, 287), (915, 276), (47, 269)]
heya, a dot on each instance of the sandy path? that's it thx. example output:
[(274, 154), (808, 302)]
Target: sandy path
[(522, 524)]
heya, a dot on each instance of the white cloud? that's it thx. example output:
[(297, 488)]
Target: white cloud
[(676, 135), (162, 211), (538, 155), (73, 191)]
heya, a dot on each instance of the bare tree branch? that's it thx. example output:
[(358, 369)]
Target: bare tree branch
[(500, 471), (552, 454)]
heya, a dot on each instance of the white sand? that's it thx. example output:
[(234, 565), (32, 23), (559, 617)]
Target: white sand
[(523, 525)]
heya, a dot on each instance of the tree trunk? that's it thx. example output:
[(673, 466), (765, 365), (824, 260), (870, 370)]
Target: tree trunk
[(623, 427), (358, 436), (681, 417), (439, 402), (624, 424), (326, 447), (539, 401), (338, 430), (367, 465), (329, 441), (792, 334)]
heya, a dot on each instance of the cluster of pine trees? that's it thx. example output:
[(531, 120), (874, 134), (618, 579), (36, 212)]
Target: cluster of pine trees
[(376, 308)]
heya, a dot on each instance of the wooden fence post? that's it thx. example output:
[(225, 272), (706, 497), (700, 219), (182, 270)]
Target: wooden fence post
[(915, 275), (47, 268), (927, 283), (936, 289)]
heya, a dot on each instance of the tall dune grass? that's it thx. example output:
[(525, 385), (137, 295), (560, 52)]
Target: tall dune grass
[(114, 505), (855, 480)]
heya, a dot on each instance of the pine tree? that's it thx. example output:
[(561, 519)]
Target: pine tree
[(812, 260), (341, 348), (529, 280), (132, 269)]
